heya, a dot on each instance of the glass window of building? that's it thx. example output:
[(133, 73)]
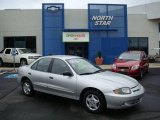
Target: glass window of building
[(138, 43), (21, 42)]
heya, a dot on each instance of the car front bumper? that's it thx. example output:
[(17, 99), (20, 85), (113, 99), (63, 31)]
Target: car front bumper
[(115, 101), (132, 73)]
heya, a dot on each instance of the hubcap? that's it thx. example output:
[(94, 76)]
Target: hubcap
[(26, 88), (92, 102)]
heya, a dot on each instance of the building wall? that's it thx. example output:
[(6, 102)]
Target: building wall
[(29, 23), (151, 10), (21, 23), (76, 19), (109, 41), (140, 26)]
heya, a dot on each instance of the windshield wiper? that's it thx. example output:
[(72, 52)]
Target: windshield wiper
[(101, 70), (86, 73)]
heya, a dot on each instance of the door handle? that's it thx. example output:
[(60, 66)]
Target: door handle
[(50, 77), (29, 73)]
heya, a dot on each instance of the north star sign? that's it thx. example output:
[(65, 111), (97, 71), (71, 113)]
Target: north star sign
[(102, 20)]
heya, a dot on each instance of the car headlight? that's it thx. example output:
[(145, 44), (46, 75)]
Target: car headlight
[(114, 66), (122, 91), (30, 57), (134, 67)]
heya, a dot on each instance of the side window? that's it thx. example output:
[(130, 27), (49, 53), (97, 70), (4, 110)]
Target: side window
[(34, 66), (59, 67), (7, 51), (43, 64)]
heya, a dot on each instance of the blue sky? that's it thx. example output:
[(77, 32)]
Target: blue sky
[(69, 4)]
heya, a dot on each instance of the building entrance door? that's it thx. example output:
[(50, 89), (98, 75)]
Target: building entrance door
[(77, 49)]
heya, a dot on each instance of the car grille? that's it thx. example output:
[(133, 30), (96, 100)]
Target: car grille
[(123, 72), (136, 88), (125, 68)]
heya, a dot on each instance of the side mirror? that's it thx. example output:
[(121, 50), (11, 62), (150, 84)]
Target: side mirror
[(115, 58), (67, 73)]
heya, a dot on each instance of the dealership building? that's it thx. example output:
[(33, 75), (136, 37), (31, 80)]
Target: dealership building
[(108, 28)]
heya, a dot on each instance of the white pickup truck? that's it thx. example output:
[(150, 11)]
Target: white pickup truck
[(22, 56)]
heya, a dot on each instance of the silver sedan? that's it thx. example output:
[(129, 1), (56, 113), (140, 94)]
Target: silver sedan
[(76, 78)]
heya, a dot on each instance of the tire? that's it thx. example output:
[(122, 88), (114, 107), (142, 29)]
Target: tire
[(147, 71), (94, 101), (27, 88), (1, 63), (23, 62)]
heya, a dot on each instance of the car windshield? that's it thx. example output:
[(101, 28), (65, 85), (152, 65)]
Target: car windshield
[(24, 50), (130, 56), (83, 66)]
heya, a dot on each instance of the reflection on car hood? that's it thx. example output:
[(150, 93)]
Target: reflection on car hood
[(113, 79)]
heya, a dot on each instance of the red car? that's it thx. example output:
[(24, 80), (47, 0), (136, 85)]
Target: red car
[(132, 63)]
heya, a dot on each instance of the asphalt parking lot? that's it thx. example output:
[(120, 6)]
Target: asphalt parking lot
[(15, 106)]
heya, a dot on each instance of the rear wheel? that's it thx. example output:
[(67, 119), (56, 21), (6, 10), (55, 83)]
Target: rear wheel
[(23, 62), (27, 88), (1, 62), (94, 101)]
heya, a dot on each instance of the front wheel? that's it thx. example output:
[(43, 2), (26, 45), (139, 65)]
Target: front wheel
[(94, 101), (27, 88)]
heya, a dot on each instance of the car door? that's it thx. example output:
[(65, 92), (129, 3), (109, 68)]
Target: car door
[(60, 84), (8, 58), (18, 56), (39, 74)]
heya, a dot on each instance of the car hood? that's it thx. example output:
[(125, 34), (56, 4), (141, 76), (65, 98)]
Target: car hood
[(115, 80), (126, 63)]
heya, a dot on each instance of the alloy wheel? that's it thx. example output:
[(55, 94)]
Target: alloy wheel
[(26, 88), (92, 102)]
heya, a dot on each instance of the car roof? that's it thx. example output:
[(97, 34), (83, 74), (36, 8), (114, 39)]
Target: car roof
[(63, 57)]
